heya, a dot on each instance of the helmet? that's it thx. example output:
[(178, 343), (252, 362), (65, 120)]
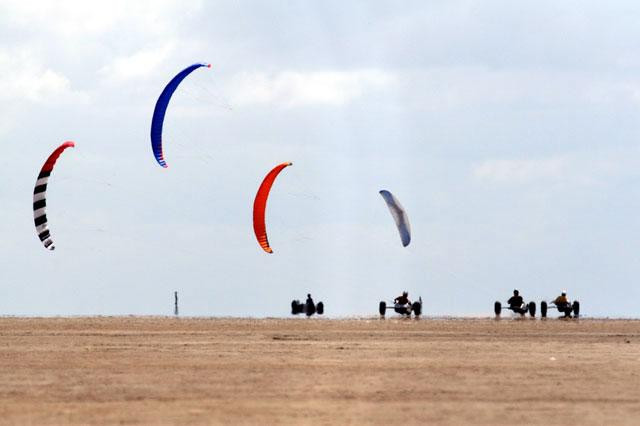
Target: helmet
[(404, 293), (515, 292), (564, 292), (309, 296)]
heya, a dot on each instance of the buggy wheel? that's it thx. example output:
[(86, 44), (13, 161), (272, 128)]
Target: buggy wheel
[(320, 308), (532, 309), (576, 308), (497, 308), (543, 309), (417, 308), (295, 307), (382, 308)]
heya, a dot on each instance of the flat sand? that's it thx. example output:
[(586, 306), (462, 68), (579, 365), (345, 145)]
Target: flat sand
[(155, 370)]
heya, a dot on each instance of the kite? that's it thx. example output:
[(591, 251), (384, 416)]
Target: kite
[(40, 196), (260, 205), (161, 109), (399, 215)]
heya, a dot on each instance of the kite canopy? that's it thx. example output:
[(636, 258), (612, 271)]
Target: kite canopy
[(399, 216), (40, 196), (260, 205), (161, 109)]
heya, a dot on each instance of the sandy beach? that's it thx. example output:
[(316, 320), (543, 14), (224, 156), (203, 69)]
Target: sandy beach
[(154, 370)]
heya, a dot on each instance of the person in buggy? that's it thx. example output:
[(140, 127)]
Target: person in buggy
[(516, 303), (562, 303), (402, 304), (311, 307)]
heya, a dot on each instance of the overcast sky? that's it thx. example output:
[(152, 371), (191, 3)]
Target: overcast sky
[(508, 130)]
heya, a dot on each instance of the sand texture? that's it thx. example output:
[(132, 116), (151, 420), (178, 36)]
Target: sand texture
[(152, 370)]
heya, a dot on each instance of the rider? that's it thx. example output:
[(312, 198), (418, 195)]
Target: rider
[(401, 303), (562, 303), (402, 300), (310, 306), (515, 303)]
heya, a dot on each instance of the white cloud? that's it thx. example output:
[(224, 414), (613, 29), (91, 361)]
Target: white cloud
[(439, 88), (577, 169), (72, 18), (6, 124), (24, 78), (520, 171), (137, 65), (292, 88)]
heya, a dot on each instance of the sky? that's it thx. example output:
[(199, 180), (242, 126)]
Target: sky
[(508, 131)]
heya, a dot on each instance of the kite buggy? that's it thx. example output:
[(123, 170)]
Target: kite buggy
[(562, 304), (517, 305), (521, 309), (402, 305), (308, 307)]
